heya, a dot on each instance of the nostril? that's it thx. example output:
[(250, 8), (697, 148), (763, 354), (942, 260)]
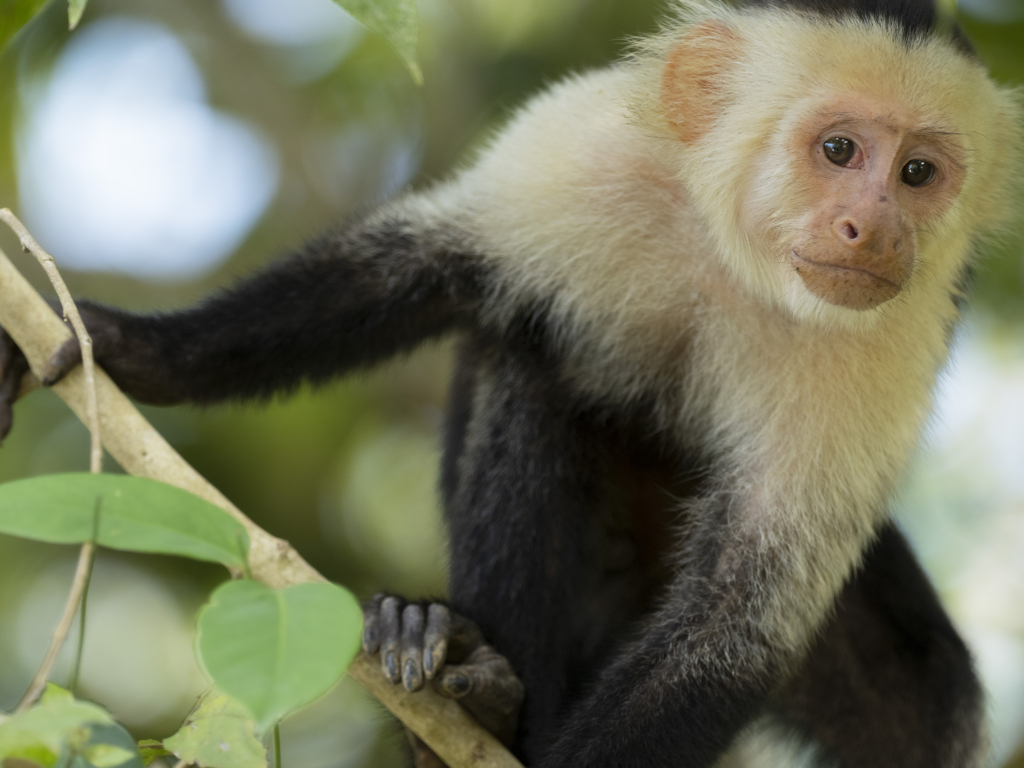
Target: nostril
[(849, 231)]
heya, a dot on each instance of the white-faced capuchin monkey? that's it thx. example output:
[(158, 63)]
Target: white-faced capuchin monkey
[(703, 296)]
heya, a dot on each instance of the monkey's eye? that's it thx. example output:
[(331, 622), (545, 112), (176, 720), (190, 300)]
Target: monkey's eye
[(917, 173), (839, 150)]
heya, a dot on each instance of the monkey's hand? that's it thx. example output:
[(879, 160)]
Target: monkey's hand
[(420, 643), (13, 379), (121, 344)]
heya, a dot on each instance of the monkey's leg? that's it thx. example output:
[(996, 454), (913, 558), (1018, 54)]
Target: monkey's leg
[(520, 473), (889, 684), (346, 300), (429, 642), (736, 619)]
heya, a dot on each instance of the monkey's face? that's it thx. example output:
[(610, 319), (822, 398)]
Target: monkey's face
[(874, 176), (838, 167)]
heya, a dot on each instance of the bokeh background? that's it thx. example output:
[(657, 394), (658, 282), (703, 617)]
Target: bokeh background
[(169, 146)]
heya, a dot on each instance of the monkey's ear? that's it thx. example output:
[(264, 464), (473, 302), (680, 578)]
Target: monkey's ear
[(692, 79)]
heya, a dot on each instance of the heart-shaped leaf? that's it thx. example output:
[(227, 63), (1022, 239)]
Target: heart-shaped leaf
[(275, 651), (135, 514)]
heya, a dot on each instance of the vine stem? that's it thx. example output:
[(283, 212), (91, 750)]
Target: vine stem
[(60, 634), (80, 645), (87, 553)]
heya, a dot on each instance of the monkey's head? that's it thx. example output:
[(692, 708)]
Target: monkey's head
[(839, 163)]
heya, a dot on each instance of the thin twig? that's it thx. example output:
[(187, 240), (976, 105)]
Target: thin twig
[(80, 644), (84, 339), (88, 550), (63, 627)]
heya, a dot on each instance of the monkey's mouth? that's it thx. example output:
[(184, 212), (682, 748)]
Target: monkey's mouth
[(846, 286)]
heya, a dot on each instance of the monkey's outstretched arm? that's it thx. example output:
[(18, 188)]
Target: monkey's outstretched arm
[(346, 300), (732, 625)]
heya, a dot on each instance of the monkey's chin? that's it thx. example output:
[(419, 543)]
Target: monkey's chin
[(842, 286)]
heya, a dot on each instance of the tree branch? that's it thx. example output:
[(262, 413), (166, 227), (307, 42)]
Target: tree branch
[(446, 728)]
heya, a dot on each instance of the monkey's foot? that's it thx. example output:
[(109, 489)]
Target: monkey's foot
[(419, 643)]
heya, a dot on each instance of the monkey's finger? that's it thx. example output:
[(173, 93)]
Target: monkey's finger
[(371, 623), (435, 639), (413, 621), (390, 638), (487, 687), (486, 681), (63, 361)]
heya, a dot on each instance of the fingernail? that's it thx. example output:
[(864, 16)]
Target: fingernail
[(428, 663), (411, 677), (457, 684), (389, 662)]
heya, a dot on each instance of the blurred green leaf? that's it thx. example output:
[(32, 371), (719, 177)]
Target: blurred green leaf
[(151, 750), (15, 14), (57, 722), (107, 746), (136, 514), (106, 755), (53, 694), (220, 733), (75, 10), (21, 762), (275, 651), (395, 20)]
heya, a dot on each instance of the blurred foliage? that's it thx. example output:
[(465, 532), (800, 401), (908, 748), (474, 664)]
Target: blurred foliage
[(14, 14), (396, 20), (220, 732), (345, 472)]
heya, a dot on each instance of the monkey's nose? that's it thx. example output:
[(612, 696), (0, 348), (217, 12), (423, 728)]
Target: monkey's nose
[(848, 232)]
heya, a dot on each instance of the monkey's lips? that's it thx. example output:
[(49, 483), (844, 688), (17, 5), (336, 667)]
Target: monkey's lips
[(854, 287)]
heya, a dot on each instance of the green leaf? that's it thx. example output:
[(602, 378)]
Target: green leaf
[(106, 755), (151, 750), (75, 10), (275, 651), (135, 514), (108, 746), (396, 20), (58, 721), (219, 733), (55, 694), (15, 14)]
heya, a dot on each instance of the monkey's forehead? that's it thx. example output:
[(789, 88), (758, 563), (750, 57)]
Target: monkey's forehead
[(784, 55)]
